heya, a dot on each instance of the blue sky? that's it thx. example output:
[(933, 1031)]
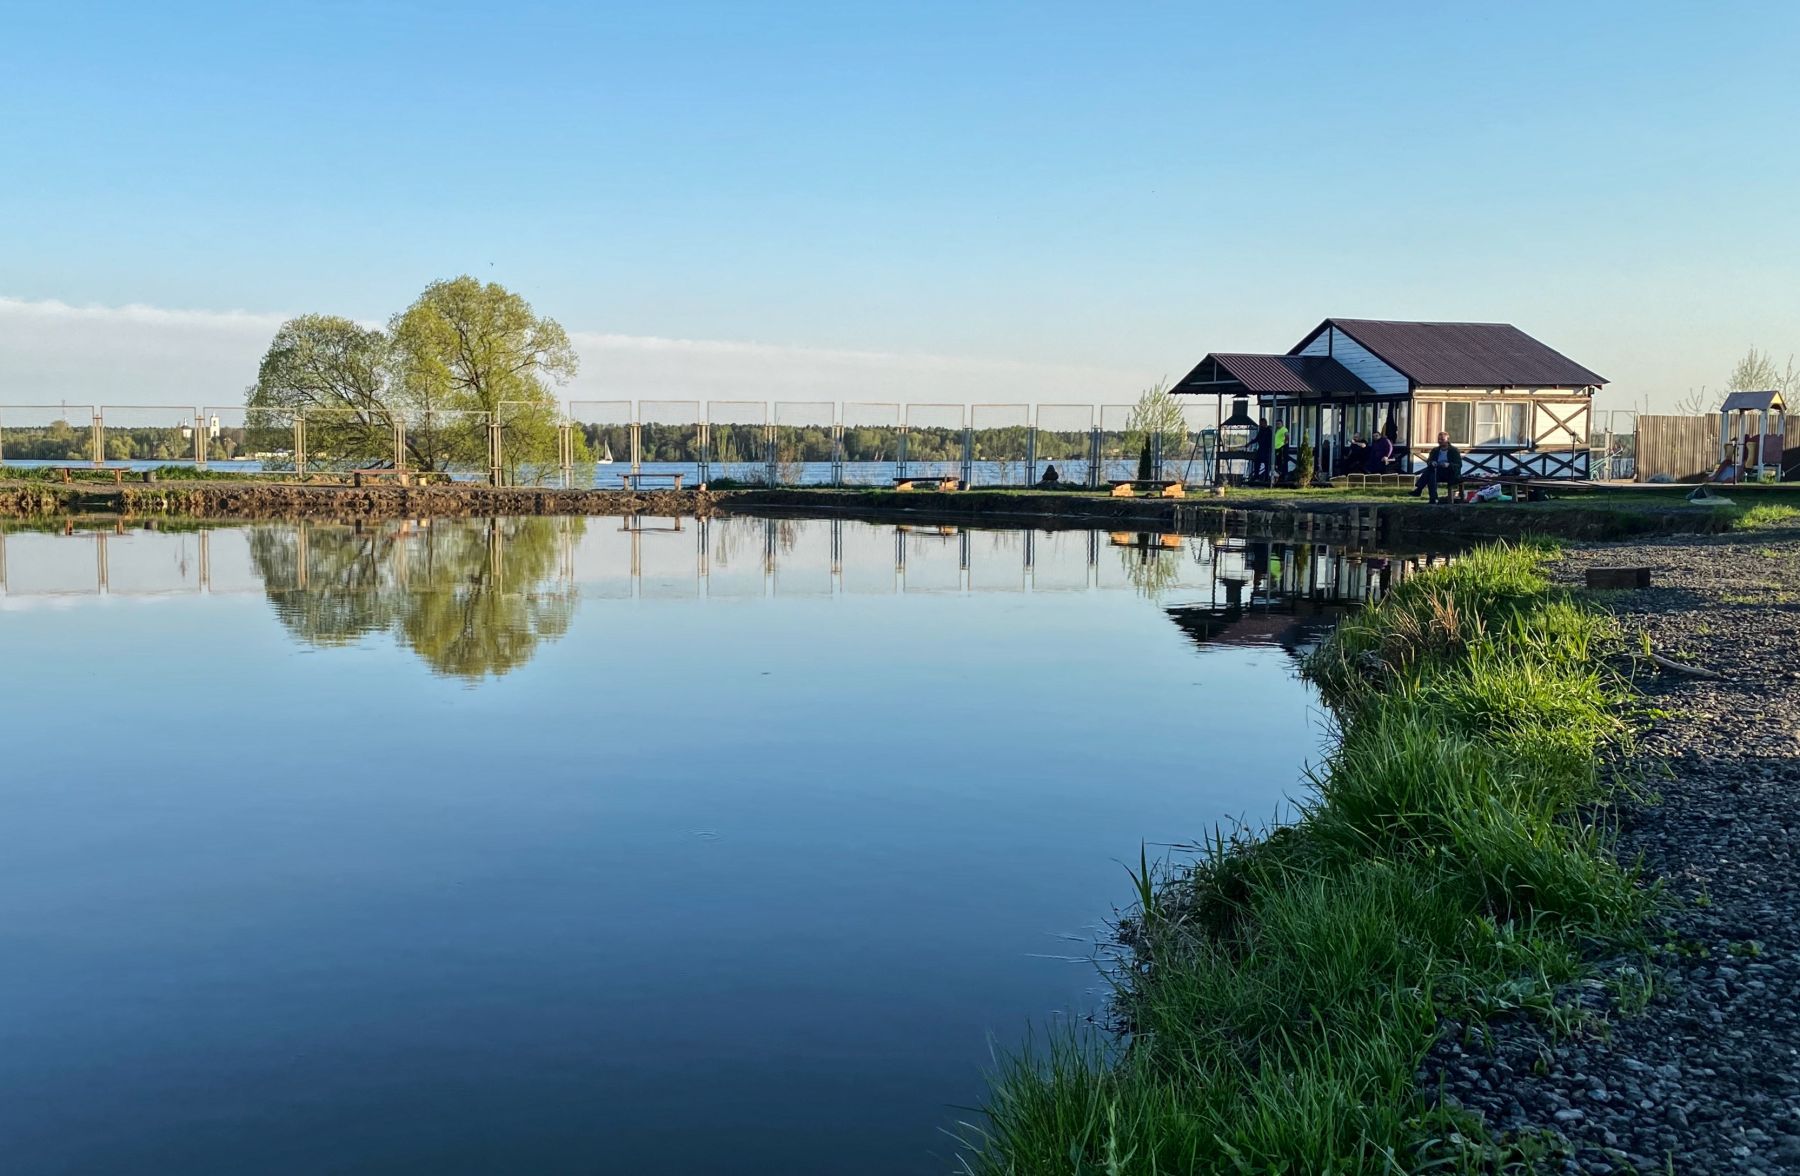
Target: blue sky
[(1054, 197)]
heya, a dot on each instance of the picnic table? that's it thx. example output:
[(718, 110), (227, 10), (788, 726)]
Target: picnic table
[(1149, 487), (941, 482)]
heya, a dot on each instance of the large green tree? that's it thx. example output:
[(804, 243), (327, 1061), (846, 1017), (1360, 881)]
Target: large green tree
[(468, 348), (338, 373)]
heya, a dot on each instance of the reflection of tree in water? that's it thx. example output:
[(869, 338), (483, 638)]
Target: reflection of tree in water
[(471, 598), (1151, 568)]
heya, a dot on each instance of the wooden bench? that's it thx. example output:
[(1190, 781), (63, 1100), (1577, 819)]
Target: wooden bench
[(1380, 480), (68, 472), (636, 481), (1150, 488), (943, 483)]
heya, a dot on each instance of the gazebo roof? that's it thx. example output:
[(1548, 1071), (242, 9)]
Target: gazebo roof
[(1232, 373), (1769, 401)]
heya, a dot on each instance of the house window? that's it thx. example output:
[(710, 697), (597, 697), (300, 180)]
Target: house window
[(1472, 424), (1499, 422)]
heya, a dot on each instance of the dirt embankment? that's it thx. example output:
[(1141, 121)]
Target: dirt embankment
[(1389, 519), (238, 500)]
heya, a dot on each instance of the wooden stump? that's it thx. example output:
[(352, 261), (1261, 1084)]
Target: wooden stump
[(1618, 577)]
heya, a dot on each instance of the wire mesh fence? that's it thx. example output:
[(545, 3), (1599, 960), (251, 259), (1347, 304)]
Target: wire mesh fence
[(800, 442), (871, 443), (1063, 441), (932, 445), (250, 440), (806, 443), (1000, 445), (737, 440), (527, 443), (45, 434), (1120, 443), (668, 436), (160, 433), (603, 429)]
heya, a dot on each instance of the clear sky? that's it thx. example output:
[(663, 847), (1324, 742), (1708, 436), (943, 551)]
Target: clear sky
[(955, 201)]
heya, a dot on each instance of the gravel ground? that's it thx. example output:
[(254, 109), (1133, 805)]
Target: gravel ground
[(1706, 1078)]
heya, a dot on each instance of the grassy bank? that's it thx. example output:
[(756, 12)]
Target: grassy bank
[(1285, 989)]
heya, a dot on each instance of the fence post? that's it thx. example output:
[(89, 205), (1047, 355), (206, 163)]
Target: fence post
[(399, 445), (968, 456), (299, 445), (1095, 448), (837, 465), (201, 441), (97, 445), (495, 472), (900, 470), (637, 445), (1030, 476), (705, 454), (769, 473)]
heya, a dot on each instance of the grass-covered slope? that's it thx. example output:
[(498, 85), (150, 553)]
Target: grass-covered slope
[(1285, 990)]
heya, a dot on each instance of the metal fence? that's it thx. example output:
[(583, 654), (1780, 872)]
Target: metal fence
[(588, 442)]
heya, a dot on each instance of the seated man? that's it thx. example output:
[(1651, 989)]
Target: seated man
[(1443, 467), (1050, 478)]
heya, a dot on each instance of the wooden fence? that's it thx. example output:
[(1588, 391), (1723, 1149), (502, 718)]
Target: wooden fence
[(1686, 448)]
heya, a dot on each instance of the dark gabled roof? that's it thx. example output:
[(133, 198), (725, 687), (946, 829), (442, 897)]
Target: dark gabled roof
[(1271, 375), (1751, 402), (1466, 355)]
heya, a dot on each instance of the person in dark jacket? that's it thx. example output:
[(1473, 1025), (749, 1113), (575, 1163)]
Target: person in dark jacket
[(1263, 446), (1443, 467), (1381, 451)]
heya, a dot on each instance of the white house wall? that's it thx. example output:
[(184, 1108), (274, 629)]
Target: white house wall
[(1363, 363)]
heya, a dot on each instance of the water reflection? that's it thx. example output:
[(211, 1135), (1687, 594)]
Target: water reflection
[(471, 599), (477, 598), (748, 872)]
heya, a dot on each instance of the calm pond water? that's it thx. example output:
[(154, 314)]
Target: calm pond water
[(546, 845)]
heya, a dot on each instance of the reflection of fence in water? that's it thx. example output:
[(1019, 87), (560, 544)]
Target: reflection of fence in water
[(685, 558)]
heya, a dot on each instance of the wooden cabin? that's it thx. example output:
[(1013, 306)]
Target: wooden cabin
[(1510, 403)]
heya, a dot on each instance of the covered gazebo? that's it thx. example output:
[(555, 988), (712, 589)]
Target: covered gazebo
[(1742, 451)]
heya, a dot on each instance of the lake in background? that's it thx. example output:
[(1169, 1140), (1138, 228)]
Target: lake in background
[(596, 845)]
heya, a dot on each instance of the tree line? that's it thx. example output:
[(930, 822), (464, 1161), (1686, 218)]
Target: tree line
[(61, 441)]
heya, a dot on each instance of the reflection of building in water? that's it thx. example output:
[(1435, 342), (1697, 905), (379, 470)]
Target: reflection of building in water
[(1286, 593)]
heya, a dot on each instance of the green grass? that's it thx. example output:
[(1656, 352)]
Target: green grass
[(1765, 515), (79, 472), (1284, 990)]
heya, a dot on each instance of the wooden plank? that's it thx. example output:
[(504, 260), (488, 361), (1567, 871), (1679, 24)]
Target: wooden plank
[(1635, 577)]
